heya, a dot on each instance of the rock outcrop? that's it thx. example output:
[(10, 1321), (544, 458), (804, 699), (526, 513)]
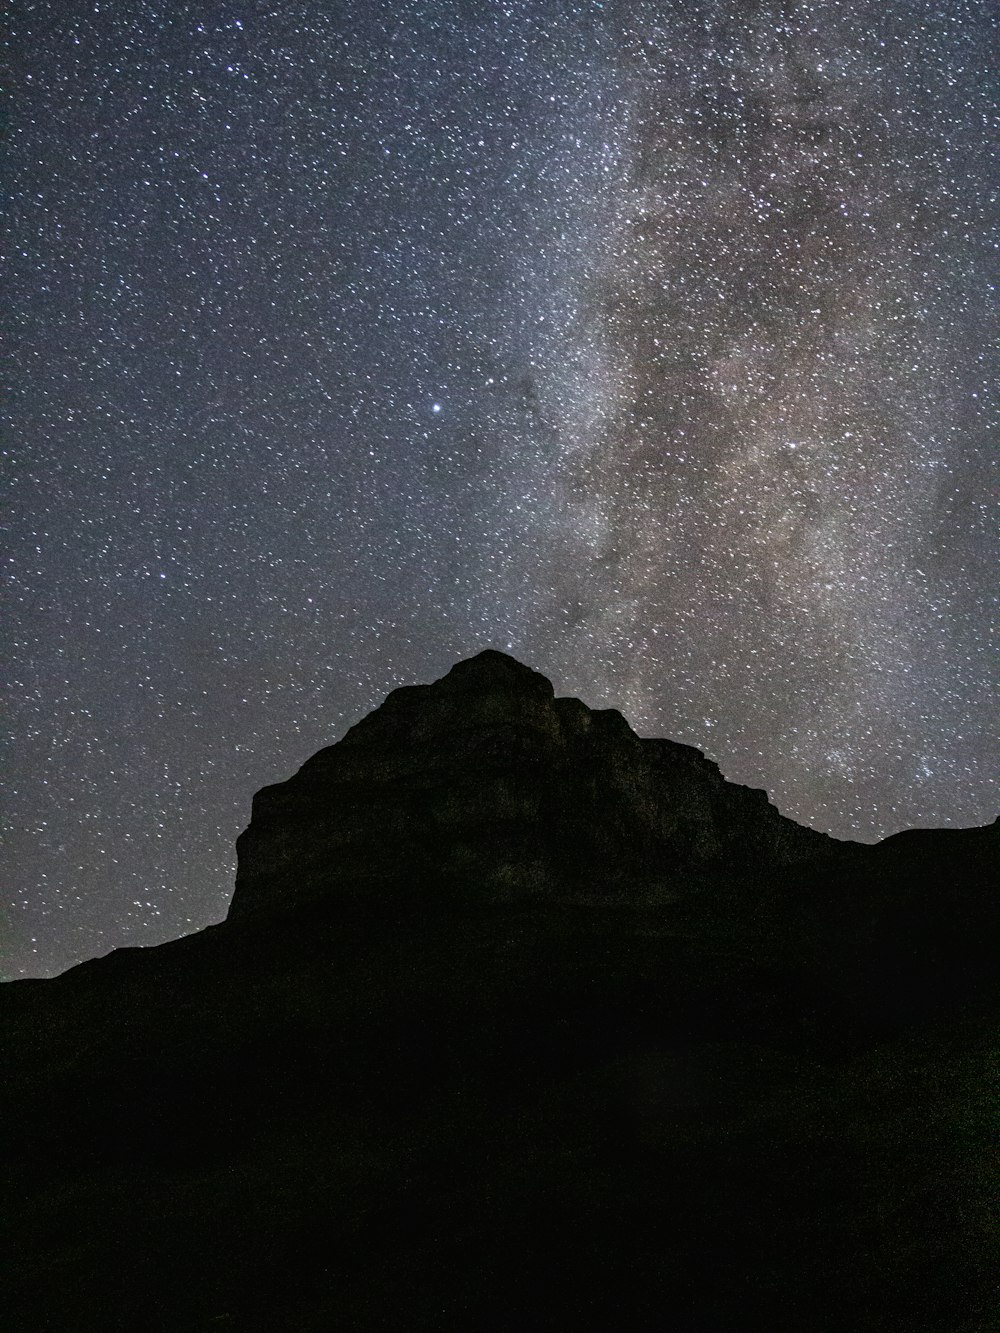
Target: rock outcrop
[(520, 1021), (486, 785)]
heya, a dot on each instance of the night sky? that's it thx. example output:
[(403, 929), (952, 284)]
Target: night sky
[(645, 341)]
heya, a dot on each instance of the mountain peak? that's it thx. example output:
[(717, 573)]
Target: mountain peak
[(494, 670), (484, 786)]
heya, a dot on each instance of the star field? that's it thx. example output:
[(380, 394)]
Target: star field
[(647, 341)]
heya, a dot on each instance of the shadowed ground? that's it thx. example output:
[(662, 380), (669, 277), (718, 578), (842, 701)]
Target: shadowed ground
[(521, 1022)]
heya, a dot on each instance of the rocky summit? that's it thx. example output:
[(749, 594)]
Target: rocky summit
[(520, 1021), (485, 787)]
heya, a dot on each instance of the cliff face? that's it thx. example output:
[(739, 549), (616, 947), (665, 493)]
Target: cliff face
[(485, 786), (520, 1021)]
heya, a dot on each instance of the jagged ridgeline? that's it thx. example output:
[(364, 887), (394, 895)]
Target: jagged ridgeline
[(519, 1021)]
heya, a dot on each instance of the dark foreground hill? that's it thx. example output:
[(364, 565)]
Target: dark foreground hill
[(520, 1022)]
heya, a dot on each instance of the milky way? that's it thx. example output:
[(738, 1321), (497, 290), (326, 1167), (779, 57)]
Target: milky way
[(644, 341)]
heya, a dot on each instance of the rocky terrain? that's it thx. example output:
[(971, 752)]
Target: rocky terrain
[(519, 1021)]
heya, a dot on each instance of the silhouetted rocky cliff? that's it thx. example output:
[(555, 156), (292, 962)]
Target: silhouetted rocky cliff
[(487, 788), (519, 1021)]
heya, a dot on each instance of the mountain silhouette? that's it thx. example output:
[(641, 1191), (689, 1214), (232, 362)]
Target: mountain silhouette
[(520, 1021)]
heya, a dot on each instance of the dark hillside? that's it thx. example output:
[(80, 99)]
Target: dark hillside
[(519, 1021)]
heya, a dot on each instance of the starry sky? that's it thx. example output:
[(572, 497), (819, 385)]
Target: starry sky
[(646, 340)]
